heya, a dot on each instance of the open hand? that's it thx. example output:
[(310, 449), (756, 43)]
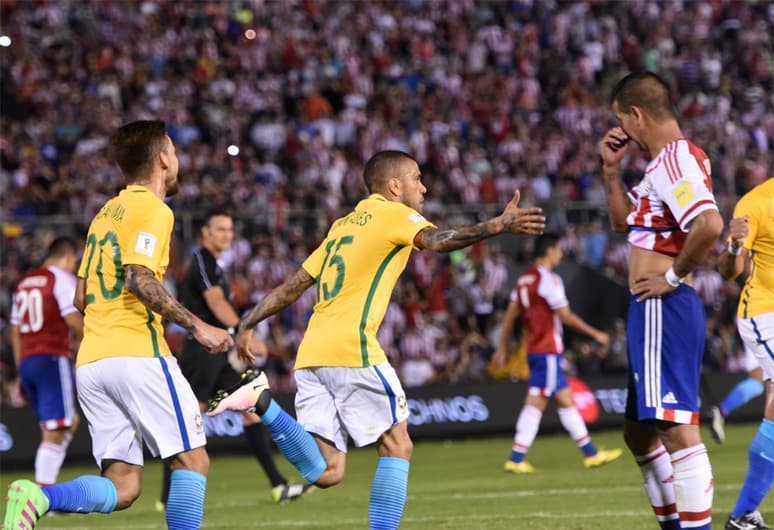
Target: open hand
[(523, 220)]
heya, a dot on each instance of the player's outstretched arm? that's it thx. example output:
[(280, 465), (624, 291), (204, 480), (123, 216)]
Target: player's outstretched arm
[(513, 219), (142, 283), (278, 299)]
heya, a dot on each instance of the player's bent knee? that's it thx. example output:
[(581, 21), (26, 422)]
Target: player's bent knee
[(194, 460), (331, 476), (126, 493)]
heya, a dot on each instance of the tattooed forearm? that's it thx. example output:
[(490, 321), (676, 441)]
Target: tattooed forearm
[(448, 239), (142, 283), (278, 299)]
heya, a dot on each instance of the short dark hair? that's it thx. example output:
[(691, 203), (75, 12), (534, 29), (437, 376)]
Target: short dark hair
[(381, 167), (61, 246), (645, 90), (136, 144), (544, 242), (216, 212)]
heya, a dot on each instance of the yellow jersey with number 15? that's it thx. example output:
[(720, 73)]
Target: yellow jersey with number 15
[(758, 293), (133, 228), (356, 268)]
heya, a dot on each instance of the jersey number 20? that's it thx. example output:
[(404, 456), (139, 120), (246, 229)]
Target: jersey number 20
[(29, 304), (114, 254)]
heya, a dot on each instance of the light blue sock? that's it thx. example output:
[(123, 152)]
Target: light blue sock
[(185, 505), (743, 392), (298, 446), (760, 473), (85, 494), (388, 493)]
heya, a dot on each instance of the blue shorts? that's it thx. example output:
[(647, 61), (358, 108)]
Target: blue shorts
[(546, 377), (665, 338), (49, 386)]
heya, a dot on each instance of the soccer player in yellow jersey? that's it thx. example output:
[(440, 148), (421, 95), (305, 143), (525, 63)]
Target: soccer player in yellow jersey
[(346, 387), (751, 234), (129, 385)]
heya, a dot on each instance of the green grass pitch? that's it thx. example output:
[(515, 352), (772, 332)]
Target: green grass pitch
[(455, 484)]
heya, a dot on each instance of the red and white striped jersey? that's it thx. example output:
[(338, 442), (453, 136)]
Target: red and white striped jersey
[(540, 292), (677, 187), (40, 302)]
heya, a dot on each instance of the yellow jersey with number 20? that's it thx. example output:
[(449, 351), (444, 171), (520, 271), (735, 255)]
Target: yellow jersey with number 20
[(356, 268), (758, 292), (133, 228)]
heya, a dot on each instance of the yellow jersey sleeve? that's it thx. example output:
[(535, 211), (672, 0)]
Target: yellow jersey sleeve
[(405, 223), (147, 237)]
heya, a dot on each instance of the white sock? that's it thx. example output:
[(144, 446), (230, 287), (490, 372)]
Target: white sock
[(526, 428), (68, 437), (693, 486), (656, 469), (48, 462), (574, 425)]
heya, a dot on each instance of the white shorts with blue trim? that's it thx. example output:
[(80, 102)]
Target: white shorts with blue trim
[(336, 402), (758, 336), (131, 400)]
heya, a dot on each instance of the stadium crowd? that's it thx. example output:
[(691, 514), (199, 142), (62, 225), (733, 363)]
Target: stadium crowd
[(274, 107)]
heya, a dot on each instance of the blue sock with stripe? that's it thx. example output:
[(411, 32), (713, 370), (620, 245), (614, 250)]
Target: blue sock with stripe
[(760, 471), (388, 493), (298, 446), (85, 494), (185, 505), (743, 392)]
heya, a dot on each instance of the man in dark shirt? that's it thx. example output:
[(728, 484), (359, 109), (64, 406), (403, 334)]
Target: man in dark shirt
[(205, 291)]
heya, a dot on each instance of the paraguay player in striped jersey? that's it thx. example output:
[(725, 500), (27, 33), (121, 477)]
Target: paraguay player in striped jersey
[(42, 319), (752, 235), (539, 298), (673, 222), (346, 386)]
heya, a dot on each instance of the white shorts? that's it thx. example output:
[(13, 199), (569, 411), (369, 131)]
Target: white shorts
[(758, 335), (750, 360), (336, 402), (131, 400)]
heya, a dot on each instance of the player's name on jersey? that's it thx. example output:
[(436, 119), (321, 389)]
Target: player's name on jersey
[(357, 217)]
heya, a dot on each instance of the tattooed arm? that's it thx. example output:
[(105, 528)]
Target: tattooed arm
[(513, 219), (142, 283), (278, 299)]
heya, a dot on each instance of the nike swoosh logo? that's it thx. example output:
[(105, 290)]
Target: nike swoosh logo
[(765, 457)]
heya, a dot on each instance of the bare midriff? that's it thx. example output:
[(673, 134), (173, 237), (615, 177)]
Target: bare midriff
[(643, 262)]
